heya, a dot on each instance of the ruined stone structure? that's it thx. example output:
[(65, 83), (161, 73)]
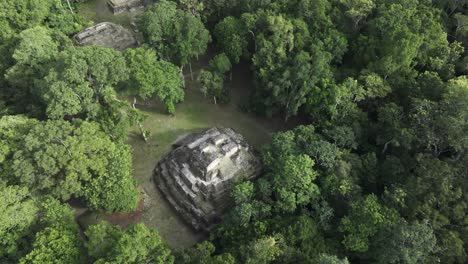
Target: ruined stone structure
[(107, 34), (197, 175), (119, 6)]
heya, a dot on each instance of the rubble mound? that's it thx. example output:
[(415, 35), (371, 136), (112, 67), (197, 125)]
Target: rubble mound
[(197, 175), (119, 6), (108, 35)]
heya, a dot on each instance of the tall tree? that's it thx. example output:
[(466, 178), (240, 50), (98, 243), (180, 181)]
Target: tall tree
[(34, 55), (221, 64), (212, 85), (65, 160), (55, 244), (177, 36), (17, 214), (231, 38), (358, 10), (150, 77), (366, 218), (79, 81), (57, 239), (404, 243), (203, 253), (290, 174), (137, 244)]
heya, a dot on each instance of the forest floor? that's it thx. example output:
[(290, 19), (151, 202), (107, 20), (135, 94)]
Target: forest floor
[(194, 114)]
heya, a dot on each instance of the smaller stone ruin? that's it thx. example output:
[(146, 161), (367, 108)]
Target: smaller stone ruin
[(108, 35), (197, 175), (120, 6)]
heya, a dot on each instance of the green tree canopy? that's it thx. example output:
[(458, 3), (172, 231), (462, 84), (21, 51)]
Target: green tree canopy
[(65, 160), (177, 36), (136, 244), (213, 85), (150, 77), (17, 213), (221, 63), (404, 243), (366, 218), (231, 34)]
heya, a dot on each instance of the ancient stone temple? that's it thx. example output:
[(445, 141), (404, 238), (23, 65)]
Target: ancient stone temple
[(197, 175), (119, 6), (107, 34)]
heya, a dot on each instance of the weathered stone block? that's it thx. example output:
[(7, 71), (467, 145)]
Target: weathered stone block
[(108, 35), (119, 6)]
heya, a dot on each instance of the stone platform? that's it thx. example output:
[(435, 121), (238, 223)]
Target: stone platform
[(120, 6), (107, 34), (197, 175)]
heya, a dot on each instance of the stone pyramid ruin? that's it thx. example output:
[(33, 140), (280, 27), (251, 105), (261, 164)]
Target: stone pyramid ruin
[(197, 175)]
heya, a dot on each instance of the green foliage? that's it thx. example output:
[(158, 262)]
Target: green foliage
[(36, 46), (404, 243), (365, 219), (213, 85), (57, 240), (202, 253), (358, 10), (33, 55), (150, 77), (243, 192), (195, 7), (114, 190), (55, 244), (82, 85), (17, 213), (291, 174), (137, 244), (231, 34), (375, 86), (302, 241), (261, 251), (23, 14), (177, 36), (287, 74), (221, 64), (53, 212), (65, 160), (81, 75), (328, 259)]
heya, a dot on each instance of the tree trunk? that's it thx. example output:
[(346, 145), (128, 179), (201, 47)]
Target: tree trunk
[(254, 39), (385, 147), (191, 73), (69, 6), (214, 98), (453, 8), (63, 144), (142, 131), (356, 23), (182, 75), (230, 75)]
